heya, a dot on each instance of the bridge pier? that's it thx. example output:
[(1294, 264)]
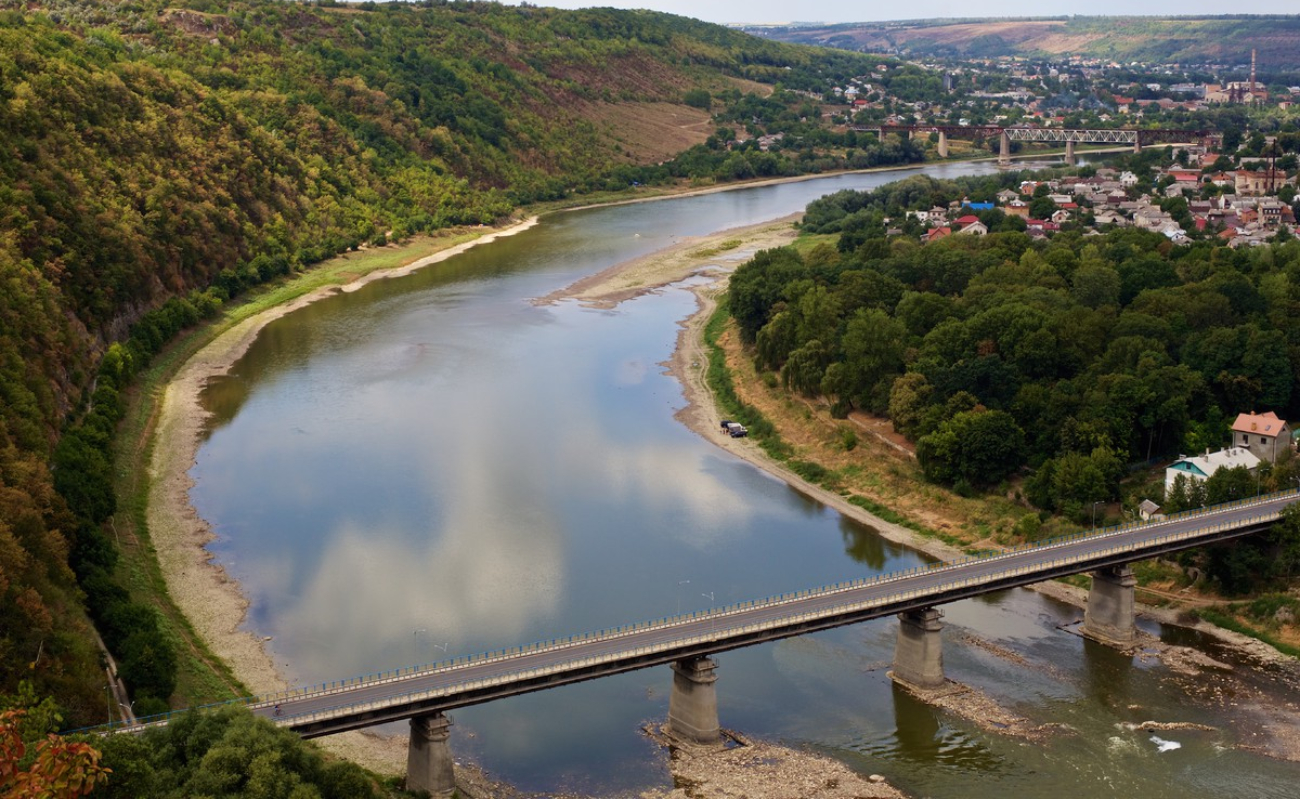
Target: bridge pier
[(429, 767), (943, 145), (1137, 145), (918, 655), (1110, 613), (1069, 152), (693, 704), (1004, 150)]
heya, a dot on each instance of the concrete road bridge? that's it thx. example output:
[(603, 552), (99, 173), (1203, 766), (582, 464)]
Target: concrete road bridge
[(1137, 137), (423, 694)]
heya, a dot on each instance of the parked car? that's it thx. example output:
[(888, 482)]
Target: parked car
[(734, 429)]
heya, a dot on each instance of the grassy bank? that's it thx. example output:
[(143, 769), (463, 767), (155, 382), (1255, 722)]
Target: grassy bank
[(762, 430), (202, 677)]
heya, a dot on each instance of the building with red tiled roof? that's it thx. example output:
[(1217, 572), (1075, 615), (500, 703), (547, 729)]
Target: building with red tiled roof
[(1265, 434)]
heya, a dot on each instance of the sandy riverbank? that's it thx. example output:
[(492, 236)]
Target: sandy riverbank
[(201, 589)]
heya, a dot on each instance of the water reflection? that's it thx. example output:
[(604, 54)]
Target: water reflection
[(865, 545), (433, 462), (920, 735)]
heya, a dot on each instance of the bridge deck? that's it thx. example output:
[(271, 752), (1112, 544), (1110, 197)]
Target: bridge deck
[(348, 705)]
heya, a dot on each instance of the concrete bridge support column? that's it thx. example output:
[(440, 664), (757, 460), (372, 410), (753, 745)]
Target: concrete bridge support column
[(428, 757), (1069, 152), (693, 704), (1109, 616), (918, 655), (1004, 150), (943, 145), (1137, 145)]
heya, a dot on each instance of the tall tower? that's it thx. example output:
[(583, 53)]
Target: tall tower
[(1252, 74)]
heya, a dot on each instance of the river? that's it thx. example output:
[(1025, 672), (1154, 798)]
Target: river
[(434, 466)]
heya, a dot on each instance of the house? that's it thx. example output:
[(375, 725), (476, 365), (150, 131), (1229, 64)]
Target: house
[(1007, 195), (1273, 212), (1257, 182), (1148, 510), (1265, 434), (975, 228), (1200, 468), (1017, 208), (935, 234)]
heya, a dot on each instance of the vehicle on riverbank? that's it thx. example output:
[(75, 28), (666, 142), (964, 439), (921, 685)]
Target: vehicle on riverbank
[(734, 429)]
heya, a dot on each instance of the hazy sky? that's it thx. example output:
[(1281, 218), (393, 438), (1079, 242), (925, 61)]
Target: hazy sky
[(859, 11)]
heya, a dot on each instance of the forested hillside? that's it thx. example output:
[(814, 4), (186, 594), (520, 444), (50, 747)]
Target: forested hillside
[(1055, 367), (157, 159), (1076, 356)]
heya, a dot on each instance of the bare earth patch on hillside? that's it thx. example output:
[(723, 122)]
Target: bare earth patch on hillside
[(961, 34), (650, 132)]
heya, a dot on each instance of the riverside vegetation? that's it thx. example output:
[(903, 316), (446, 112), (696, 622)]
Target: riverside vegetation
[(1037, 380)]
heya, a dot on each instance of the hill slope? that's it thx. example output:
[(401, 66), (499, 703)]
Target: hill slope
[(1217, 40)]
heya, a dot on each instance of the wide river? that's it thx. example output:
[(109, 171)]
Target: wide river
[(434, 466)]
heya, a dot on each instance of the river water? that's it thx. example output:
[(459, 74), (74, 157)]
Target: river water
[(433, 466)]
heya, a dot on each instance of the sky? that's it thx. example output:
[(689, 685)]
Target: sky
[(725, 11)]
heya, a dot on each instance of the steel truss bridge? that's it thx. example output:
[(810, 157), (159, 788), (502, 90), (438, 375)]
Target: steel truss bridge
[(1129, 136)]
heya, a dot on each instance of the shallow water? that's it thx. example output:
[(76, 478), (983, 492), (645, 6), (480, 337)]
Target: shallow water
[(433, 466)]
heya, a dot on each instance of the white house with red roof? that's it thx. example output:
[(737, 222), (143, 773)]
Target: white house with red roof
[(1265, 434)]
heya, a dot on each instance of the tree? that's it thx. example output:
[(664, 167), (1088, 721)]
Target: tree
[(1042, 207), (698, 98), (873, 352), (227, 752), (979, 447), (758, 284), (58, 767)]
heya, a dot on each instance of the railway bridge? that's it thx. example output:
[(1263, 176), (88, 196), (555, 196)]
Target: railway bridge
[(1137, 137), (423, 694)]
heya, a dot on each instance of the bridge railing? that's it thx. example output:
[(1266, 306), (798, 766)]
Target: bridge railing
[(715, 614), (714, 635)]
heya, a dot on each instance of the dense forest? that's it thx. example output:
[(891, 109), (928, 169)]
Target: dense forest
[(1060, 365), (158, 159)]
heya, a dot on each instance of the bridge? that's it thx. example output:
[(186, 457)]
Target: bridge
[(1137, 137), (424, 694)]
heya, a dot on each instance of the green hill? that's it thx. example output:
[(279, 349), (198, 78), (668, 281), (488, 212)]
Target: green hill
[(158, 159), (1200, 40)]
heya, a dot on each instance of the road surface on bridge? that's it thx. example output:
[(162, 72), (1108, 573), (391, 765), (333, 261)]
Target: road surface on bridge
[(357, 703)]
